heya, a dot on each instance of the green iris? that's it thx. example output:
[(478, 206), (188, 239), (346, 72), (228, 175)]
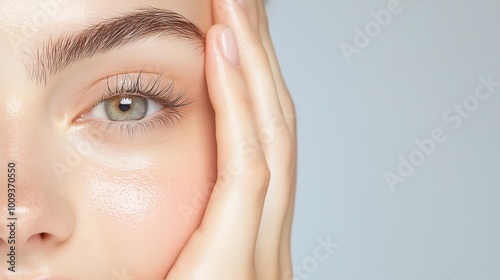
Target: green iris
[(126, 108)]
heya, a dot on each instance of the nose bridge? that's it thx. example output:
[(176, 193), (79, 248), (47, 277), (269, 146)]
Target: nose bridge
[(19, 101), (42, 213), (15, 120), (9, 148), (21, 141), (24, 197)]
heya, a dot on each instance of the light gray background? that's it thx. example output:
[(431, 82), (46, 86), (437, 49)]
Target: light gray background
[(355, 120)]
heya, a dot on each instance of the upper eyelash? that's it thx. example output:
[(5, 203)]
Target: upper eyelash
[(166, 96)]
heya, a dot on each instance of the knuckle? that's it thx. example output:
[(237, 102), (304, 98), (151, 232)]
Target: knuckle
[(263, 185), (279, 141), (291, 118), (265, 174), (254, 181), (260, 175)]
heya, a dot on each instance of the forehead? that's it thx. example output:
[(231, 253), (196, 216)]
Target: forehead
[(56, 14), (23, 23)]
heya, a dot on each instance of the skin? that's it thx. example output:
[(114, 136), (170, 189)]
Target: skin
[(209, 197)]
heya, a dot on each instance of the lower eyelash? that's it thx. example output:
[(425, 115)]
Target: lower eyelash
[(167, 119)]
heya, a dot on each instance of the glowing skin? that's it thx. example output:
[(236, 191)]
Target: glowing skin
[(93, 202), (201, 188)]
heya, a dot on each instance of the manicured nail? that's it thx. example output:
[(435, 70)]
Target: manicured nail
[(228, 46)]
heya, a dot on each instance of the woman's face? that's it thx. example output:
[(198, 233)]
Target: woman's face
[(106, 116)]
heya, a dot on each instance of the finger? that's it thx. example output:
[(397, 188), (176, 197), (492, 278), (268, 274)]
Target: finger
[(256, 68), (223, 246), (289, 112), (283, 93), (252, 12), (288, 107), (256, 11), (285, 254), (273, 133)]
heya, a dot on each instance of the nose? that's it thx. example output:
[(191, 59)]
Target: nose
[(35, 214)]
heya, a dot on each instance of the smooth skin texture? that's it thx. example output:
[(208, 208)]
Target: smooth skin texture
[(245, 232), (91, 197), (210, 197)]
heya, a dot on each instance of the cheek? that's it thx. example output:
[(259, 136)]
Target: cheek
[(146, 209), (145, 218), (145, 221)]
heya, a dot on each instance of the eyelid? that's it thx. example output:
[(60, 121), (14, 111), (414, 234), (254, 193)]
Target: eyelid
[(165, 95), (153, 88)]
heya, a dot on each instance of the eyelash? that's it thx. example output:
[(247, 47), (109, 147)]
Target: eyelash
[(167, 96)]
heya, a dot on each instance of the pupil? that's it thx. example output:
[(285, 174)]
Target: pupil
[(124, 107)]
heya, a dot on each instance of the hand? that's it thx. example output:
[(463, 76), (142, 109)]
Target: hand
[(245, 232)]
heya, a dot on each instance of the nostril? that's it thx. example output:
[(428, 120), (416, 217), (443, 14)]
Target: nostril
[(44, 236)]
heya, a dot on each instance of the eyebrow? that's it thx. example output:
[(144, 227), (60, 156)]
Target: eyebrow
[(51, 57)]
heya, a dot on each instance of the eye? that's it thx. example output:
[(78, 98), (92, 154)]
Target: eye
[(135, 102), (124, 107)]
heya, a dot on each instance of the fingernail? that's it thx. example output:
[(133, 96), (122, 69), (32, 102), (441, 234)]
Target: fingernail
[(228, 46)]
